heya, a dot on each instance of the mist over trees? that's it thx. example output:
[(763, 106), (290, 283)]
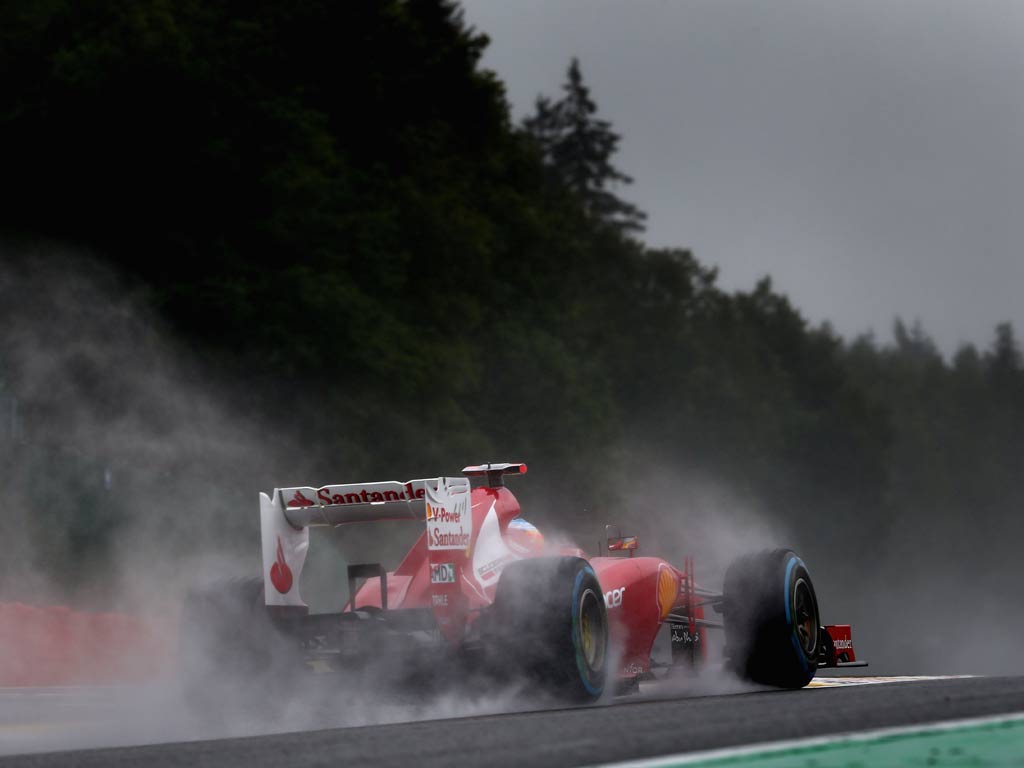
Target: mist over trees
[(331, 213)]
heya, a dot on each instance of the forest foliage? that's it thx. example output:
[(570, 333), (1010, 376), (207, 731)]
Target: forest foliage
[(330, 206)]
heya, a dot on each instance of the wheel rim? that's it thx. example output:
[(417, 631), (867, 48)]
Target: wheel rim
[(805, 617), (592, 636)]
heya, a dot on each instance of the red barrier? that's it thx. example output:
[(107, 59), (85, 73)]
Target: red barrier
[(59, 646)]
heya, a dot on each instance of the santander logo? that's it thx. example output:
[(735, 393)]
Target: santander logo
[(280, 573), (298, 500), (340, 495)]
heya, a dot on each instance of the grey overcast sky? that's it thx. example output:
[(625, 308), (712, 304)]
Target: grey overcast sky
[(869, 156)]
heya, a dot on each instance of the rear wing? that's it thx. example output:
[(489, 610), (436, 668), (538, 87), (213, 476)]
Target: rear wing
[(287, 515)]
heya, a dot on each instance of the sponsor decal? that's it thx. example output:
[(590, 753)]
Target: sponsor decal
[(842, 638), (443, 514), (681, 635), (613, 598), (438, 539), (633, 669), (439, 601), (491, 553), (280, 573), (686, 645), (668, 589), (340, 495), (442, 573), (449, 521), (489, 570)]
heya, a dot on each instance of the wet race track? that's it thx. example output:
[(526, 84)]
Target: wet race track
[(75, 726)]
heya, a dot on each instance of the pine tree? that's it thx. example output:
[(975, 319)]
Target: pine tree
[(1005, 362), (578, 146)]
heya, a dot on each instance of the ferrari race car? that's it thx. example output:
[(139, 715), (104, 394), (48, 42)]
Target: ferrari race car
[(480, 593)]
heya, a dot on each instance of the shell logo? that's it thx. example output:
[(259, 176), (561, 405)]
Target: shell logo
[(668, 588)]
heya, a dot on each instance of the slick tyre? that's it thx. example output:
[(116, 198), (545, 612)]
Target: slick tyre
[(549, 623), (771, 619)]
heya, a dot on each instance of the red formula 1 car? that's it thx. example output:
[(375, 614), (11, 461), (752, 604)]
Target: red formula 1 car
[(480, 593)]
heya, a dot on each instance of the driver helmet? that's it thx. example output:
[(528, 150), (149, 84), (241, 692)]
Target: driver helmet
[(524, 536)]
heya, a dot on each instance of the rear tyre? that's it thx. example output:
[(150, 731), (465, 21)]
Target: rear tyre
[(771, 619), (549, 622), (229, 650)]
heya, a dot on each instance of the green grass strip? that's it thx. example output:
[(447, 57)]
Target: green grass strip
[(977, 743)]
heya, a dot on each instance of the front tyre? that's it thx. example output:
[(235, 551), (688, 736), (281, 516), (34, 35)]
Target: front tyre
[(550, 623), (771, 619)]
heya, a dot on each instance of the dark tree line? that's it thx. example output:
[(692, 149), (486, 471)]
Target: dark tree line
[(330, 208)]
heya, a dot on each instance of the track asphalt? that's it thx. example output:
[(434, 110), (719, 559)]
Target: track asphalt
[(659, 723)]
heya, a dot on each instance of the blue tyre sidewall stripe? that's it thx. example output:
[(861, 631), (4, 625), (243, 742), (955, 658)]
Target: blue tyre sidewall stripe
[(576, 639), (794, 561)]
